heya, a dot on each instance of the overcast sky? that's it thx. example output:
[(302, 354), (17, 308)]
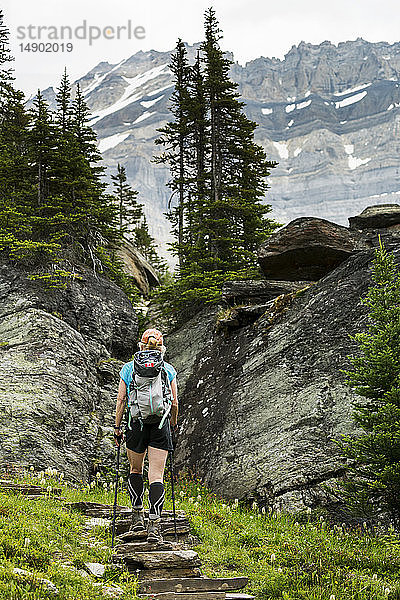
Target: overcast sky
[(251, 28)]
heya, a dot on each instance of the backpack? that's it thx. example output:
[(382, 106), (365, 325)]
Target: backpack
[(150, 394)]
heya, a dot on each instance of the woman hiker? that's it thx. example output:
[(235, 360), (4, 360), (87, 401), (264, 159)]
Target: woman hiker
[(142, 438)]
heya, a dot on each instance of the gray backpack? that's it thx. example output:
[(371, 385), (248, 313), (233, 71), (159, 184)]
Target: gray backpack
[(150, 394)]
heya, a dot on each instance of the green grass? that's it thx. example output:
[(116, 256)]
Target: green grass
[(285, 556)]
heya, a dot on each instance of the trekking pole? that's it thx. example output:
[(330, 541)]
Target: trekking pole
[(171, 466), (115, 497)]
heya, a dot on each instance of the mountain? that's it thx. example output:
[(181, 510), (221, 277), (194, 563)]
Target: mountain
[(329, 114)]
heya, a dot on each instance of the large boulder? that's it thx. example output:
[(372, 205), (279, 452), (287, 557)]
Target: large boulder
[(262, 406), (60, 354), (250, 291), (306, 249), (135, 265), (377, 217)]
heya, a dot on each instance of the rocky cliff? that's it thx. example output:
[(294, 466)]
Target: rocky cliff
[(262, 394), (60, 353), (329, 114)]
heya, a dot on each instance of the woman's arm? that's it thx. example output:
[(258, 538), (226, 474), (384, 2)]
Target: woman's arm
[(119, 409), (174, 409)]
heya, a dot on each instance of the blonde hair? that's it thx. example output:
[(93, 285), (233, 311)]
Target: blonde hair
[(152, 344)]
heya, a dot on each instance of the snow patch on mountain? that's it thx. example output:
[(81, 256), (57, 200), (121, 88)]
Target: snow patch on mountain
[(112, 141), (352, 90), (350, 100), (144, 116), (134, 83), (148, 103), (282, 149)]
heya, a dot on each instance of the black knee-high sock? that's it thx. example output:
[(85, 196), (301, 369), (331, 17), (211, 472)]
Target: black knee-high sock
[(156, 499), (136, 490)]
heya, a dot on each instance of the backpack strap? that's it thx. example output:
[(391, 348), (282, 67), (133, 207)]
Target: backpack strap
[(164, 374)]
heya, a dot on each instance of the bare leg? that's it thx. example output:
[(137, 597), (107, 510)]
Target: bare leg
[(136, 461), (157, 460)]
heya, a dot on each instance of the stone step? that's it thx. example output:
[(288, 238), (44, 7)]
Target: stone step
[(161, 559), (94, 509), (187, 596), (194, 584), (152, 574), (27, 489), (144, 546), (167, 528), (233, 596)]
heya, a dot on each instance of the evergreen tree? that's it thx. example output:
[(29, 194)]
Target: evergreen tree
[(6, 71), (129, 210), (42, 144), (219, 173), (176, 135), (235, 223), (144, 242), (372, 482)]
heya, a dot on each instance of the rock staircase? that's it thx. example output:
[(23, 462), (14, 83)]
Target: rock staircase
[(167, 571)]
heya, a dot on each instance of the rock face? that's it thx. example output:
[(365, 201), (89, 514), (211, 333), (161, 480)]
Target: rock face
[(60, 353), (376, 217), (306, 248), (137, 266), (330, 115), (262, 406)]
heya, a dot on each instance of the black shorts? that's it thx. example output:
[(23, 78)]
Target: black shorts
[(138, 439)]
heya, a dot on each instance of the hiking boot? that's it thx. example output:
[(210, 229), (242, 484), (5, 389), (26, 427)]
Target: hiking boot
[(137, 523), (154, 535)]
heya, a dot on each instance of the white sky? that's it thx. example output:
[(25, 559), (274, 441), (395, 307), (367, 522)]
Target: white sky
[(251, 28)]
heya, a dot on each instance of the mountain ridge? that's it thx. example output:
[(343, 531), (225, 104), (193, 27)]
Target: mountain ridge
[(329, 114)]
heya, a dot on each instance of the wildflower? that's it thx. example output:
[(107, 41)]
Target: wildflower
[(263, 510), (273, 557), (181, 493), (61, 476), (196, 504), (387, 591), (121, 480), (191, 500), (308, 511), (49, 488), (98, 475), (321, 518), (374, 577), (31, 468), (42, 482), (280, 569), (92, 484), (332, 597), (236, 502), (105, 485), (254, 506), (251, 517), (199, 498), (27, 541)]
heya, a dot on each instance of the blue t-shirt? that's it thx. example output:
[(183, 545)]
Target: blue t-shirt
[(127, 370)]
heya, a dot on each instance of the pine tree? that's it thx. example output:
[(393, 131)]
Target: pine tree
[(372, 483), (6, 71), (42, 144), (219, 172), (176, 136), (129, 210), (235, 223)]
